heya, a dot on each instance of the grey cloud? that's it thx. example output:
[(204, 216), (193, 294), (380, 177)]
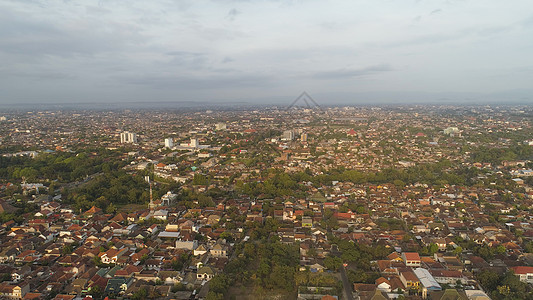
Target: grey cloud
[(185, 61), (97, 10), (227, 60), (232, 14), (19, 35), (528, 22), (348, 73), (176, 82), (191, 47), (39, 75)]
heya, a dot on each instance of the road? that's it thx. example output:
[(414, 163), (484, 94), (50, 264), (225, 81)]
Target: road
[(348, 294)]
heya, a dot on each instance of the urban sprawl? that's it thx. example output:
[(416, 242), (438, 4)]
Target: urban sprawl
[(390, 202)]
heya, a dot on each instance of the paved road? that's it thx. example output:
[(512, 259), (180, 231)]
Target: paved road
[(348, 294)]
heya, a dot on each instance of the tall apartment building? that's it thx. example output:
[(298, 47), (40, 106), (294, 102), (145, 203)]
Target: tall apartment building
[(288, 135), (169, 142), (128, 137), (194, 143)]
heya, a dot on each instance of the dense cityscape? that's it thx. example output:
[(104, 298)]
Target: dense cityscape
[(364, 202)]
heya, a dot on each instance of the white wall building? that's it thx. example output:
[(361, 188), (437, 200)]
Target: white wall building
[(128, 137), (169, 142), (525, 273), (194, 143), (288, 135)]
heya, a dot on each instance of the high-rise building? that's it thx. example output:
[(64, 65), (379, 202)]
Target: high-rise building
[(128, 137), (303, 137), (288, 135), (169, 142), (194, 142)]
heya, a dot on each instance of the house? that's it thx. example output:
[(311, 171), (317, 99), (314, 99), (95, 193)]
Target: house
[(13, 291), (154, 229), (19, 274), (118, 285), (8, 255), (524, 273), (170, 277), (190, 245), (219, 251), (201, 250), (383, 284), (205, 273), (411, 259), (111, 256), (410, 280), (316, 268), (448, 276), (213, 219), (307, 222), (93, 211), (449, 294), (161, 214), (428, 283), (394, 257), (64, 297)]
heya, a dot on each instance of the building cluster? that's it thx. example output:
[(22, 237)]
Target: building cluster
[(439, 235)]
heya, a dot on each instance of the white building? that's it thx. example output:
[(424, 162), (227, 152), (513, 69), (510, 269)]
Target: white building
[(168, 198), (194, 143), (169, 142), (161, 214), (191, 245), (524, 273), (451, 131), (288, 135), (128, 137), (428, 283), (220, 126)]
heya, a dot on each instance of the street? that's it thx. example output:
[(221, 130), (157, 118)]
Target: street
[(348, 294)]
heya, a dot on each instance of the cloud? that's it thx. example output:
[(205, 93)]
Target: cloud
[(227, 59), (232, 14), (191, 60), (349, 73), (197, 82), (186, 47)]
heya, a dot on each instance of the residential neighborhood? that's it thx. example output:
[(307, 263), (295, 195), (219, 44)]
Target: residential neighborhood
[(407, 202)]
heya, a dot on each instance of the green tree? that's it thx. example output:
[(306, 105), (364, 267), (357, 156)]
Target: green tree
[(332, 262), (111, 209), (140, 294), (199, 179), (433, 248)]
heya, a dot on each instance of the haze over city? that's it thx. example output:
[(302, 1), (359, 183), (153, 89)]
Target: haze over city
[(266, 150), (257, 52)]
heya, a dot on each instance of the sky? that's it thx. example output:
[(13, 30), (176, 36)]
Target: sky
[(262, 51)]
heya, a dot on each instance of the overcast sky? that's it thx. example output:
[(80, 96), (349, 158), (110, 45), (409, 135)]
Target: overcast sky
[(118, 51)]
